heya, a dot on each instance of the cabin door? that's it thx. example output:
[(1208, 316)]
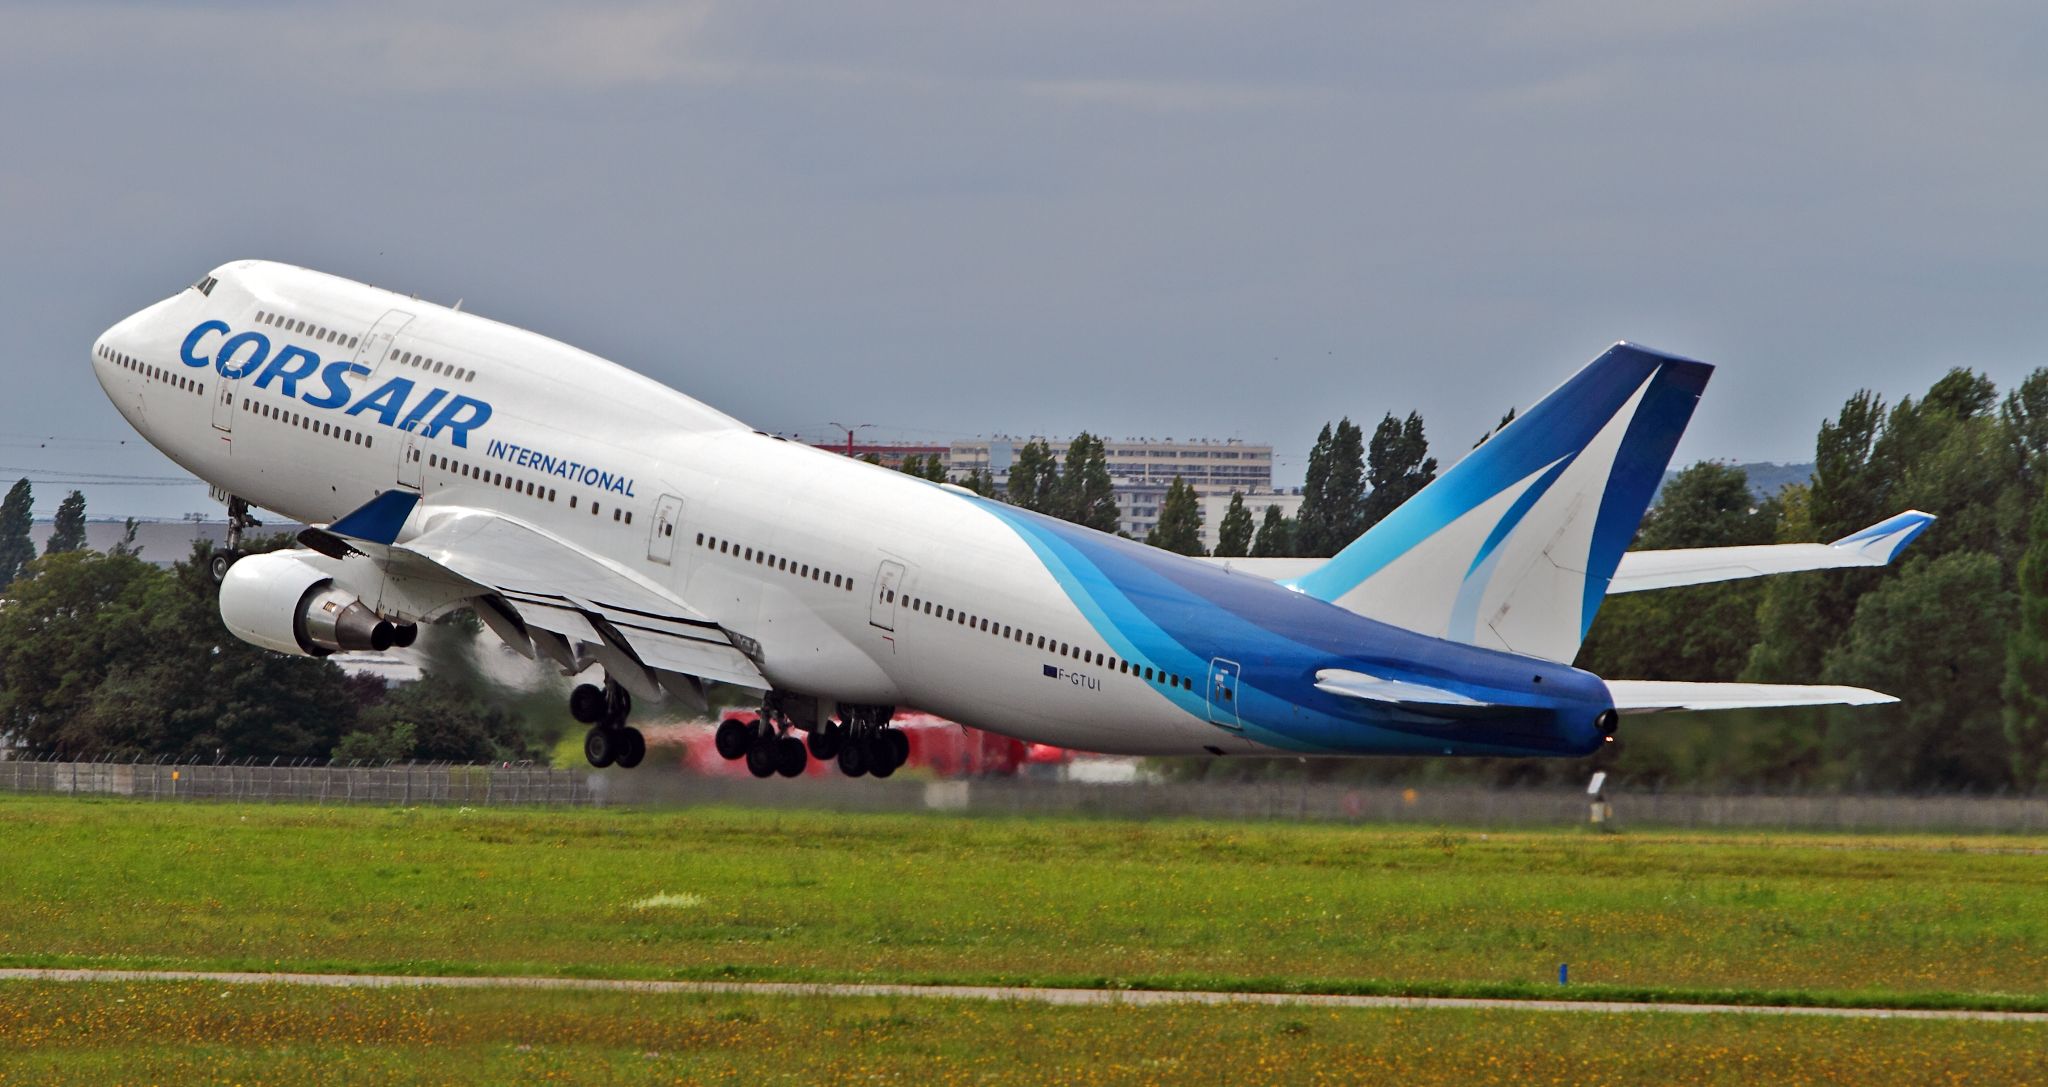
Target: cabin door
[(1223, 676)]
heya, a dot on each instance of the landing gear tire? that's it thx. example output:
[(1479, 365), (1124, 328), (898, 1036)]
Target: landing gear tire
[(601, 747), (632, 748), (899, 746), (853, 759), (587, 703), (217, 566), (827, 741), (790, 757), (762, 760), (733, 740)]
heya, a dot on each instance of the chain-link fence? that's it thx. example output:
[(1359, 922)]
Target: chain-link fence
[(303, 782), (1464, 806)]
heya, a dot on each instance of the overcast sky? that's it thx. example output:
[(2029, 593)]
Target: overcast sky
[(1185, 218)]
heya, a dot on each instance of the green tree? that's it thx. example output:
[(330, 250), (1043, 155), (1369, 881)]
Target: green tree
[(1701, 632), (107, 655), (1180, 521), (126, 545), (1034, 478), (68, 533), (1802, 615), (1276, 536), (1234, 532), (1333, 495), (16, 517), (395, 743), (1086, 495), (1935, 636), (1504, 421), (2026, 663), (980, 482), (932, 467), (446, 717), (1398, 465)]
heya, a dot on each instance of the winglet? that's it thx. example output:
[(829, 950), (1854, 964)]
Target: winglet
[(1883, 541), (379, 519)]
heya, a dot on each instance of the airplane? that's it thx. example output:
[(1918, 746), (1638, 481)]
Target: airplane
[(598, 520)]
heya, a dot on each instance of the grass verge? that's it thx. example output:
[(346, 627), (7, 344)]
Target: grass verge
[(195, 1032), (807, 896)]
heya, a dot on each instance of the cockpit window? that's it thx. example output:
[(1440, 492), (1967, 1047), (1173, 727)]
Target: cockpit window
[(205, 286)]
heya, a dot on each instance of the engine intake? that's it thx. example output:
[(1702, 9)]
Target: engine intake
[(283, 600)]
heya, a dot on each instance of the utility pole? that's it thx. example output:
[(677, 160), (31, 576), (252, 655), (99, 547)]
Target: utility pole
[(849, 433)]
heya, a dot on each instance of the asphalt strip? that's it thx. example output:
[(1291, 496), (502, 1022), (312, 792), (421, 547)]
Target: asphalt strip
[(1025, 994)]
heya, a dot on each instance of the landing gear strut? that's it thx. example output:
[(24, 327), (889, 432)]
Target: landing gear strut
[(610, 741), (231, 548)]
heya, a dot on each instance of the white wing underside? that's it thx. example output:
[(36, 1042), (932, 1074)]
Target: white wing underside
[(1874, 546), (1643, 570), (1662, 696), (593, 605)]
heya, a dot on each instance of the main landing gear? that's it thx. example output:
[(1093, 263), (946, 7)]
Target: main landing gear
[(861, 742), (610, 741), (766, 743)]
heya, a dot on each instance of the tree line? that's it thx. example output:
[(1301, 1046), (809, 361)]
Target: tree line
[(106, 655)]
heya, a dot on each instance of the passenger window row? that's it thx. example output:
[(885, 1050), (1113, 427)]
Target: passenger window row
[(153, 373), (774, 562), (1094, 657), (432, 366), (305, 328), (306, 422), (493, 477)]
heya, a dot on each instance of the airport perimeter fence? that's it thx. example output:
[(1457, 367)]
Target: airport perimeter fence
[(1453, 806), (317, 783), (1333, 802)]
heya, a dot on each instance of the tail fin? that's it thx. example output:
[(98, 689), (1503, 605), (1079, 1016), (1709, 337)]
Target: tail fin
[(1513, 547)]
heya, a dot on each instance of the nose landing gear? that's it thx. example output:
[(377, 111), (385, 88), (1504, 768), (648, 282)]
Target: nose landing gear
[(231, 548), (610, 741)]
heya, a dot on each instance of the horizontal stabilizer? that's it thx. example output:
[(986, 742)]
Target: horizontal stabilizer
[(1660, 696), (1873, 546), (1399, 692)]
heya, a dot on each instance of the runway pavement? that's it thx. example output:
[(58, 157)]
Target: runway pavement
[(1138, 997)]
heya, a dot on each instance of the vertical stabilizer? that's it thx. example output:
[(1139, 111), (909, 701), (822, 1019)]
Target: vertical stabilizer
[(1512, 548)]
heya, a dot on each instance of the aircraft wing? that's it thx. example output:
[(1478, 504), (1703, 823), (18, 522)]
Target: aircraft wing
[(1661, 696), (1873, 546), (544, 582)]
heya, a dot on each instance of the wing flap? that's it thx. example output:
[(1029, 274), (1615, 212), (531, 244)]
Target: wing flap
[(553, 585), (1873, 546), (1664, 696)]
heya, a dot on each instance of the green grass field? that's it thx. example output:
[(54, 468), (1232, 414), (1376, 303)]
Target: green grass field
[(827, 897), (178, 1033)]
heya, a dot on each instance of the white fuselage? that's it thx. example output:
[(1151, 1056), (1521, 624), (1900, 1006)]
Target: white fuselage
[(774, 540)]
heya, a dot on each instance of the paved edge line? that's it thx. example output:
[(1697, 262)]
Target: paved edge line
[(1027, 994)]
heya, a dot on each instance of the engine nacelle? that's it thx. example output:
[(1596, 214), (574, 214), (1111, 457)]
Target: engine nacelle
[(282, 601)]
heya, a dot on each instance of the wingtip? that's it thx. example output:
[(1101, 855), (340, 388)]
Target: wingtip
[(1885, 539)]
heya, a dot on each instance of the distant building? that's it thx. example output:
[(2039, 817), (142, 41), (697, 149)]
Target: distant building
[(1140, 469), (890, 454), (162, 542), (1214, 506)]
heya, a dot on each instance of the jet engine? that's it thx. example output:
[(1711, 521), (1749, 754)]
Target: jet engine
[(280, 600)]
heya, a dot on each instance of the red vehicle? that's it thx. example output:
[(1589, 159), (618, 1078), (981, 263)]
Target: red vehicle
[(936, 744)]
